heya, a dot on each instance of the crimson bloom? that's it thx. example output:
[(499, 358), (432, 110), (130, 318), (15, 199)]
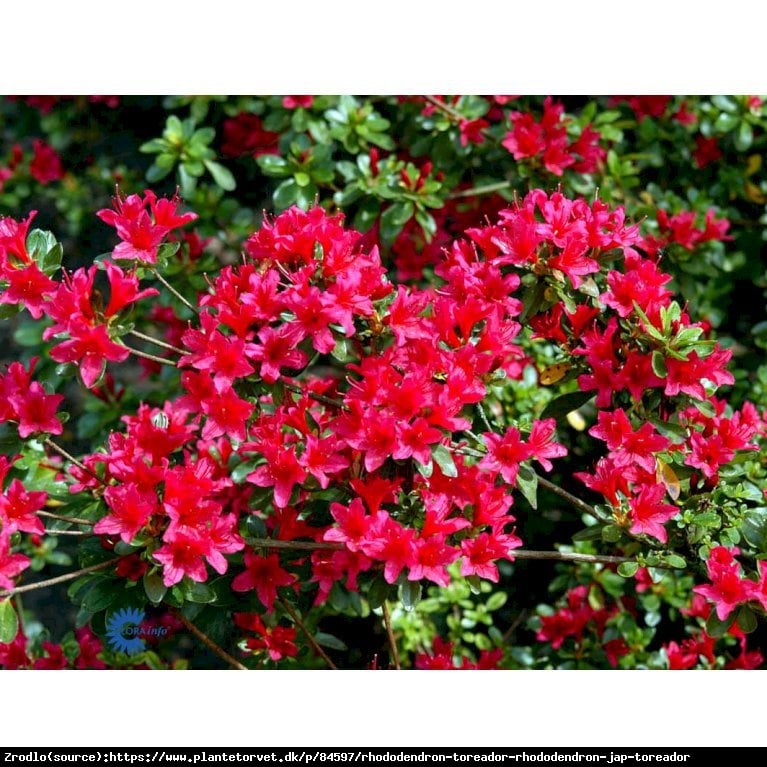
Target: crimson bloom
[(265, 575)]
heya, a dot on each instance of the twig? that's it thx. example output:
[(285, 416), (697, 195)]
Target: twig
[(476, 191), (390, 634), (60, 578), (209, 643), (272, 543), (312, 642), (80, 465), (174, 291), (51, 531), (483, 417), (151, 357), (156, 342), (319, 397), (61, 517), (446, 108), (571, 499), (453, 113), (569, 556), (514, 626)]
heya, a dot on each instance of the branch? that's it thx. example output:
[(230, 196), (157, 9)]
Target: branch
[(319, 397), (60, 578), (476, 191), (453, 113), (174, 291), (312, 642), (80, 465), (445, 108), (151, 357), (62, 518), (390, 634), (571, 499), (156, 342), (569, 556), (51, 531), (209, 643), (271, 543)]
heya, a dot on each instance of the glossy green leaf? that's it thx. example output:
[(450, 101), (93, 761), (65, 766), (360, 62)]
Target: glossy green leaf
[(9, 621)]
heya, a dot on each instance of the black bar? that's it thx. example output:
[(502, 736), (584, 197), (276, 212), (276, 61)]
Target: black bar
[(607, 757)]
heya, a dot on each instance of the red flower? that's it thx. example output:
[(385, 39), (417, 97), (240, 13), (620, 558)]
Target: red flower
[(265, 575), (297, 102), (46, 164), (706, 151), (504, 454), (728, 587), (472, 131), (278, 641), (649, 514), (90, 347), (129, 511), (245, 134), (141, 234)]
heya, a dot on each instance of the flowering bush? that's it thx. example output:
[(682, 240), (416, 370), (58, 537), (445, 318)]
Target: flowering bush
[(469, 398)]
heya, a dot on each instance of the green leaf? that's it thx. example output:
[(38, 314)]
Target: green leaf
[(410, 594), (754, 528), (187, 182), (496, 600), (221, 175), (273, 165), (717, 628), (155, 173), (627, 569), (659, 364), (154, 145), (707, 519), (378, 592), (746, 619), (560, 406), (425, 469), (444, 460), (330, 641), (343, 350), (154, 587), (611, 533), (394, 218), (527, 483), (9, 622), (101, 594), (744, 137), (724, 103), (285, 194), (241, 471), (199, 593), (675, 561), (475, 583), (302, 179), (255, 526)]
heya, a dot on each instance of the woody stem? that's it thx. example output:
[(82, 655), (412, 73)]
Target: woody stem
[(152, 357), (390, 635), (309, 638), (209, 643), (156, 341), (178, 295), (48, 442), (60, 578)]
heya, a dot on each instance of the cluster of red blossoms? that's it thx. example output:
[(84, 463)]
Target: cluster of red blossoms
[(548, 141), (44, 166), (339, 410)]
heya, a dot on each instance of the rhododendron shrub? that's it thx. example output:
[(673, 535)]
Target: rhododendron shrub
[(449, 435)]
